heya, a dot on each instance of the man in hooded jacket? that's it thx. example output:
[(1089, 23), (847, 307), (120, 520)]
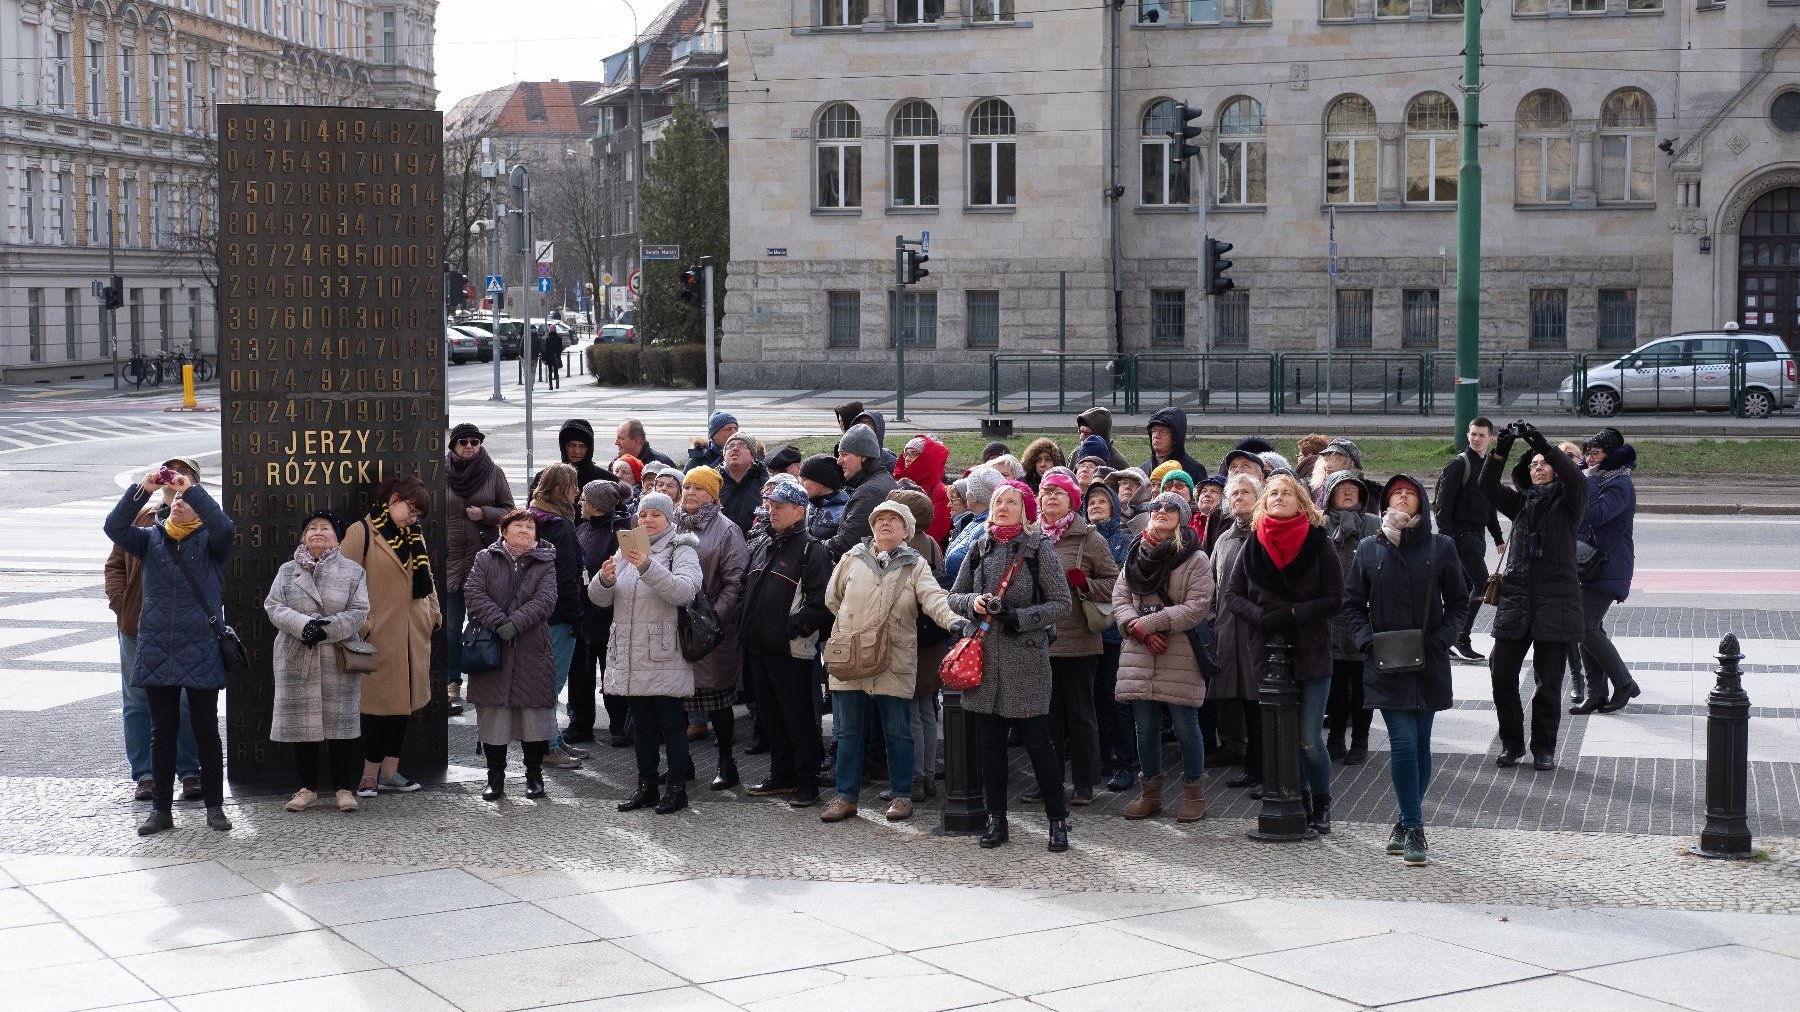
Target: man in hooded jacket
[(1098, 421), (1168, 441), (576, 440)]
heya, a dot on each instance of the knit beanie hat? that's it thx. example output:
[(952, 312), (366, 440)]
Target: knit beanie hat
[(337, 523), (1063, 482), (918, 503), (1095, 447), (705, 478), (784, 458), (982, 483), (603, 494), (788, 490), (745, 438), (890, 506), (823, 469), (1177, 475), (1254, 444), (1162, 471), (1345, 448), (1273, 462), (466, 430), (860, 440), (190, 463), (658, 502), (1025, 493), (717, 421), (1187, 512), (961, 486), (1606, 440), (636, 465), (994, 449)]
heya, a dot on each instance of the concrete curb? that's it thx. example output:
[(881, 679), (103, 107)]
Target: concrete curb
[(1721, 509)]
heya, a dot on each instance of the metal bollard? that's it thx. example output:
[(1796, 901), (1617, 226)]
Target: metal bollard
[(965, 806), (1727, 831), (1283, 816)]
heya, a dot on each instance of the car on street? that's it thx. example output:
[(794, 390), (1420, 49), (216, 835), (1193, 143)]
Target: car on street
[(459, 346), (484, 341), (617, 333), (1690, 372), (512, 333)]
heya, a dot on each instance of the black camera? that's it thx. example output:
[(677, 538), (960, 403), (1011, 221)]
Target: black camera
[(1518, 429)]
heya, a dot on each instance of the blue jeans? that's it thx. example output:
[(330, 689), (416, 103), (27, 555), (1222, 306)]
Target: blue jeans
[(849, 709), (137, 722), (562, 652), (1409, 747), (1315, 762), (1147, 715), (455, 611)]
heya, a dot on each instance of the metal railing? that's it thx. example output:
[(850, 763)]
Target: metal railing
[(1510, 381), (1089, 379), (1320, 382), (1209, 382)]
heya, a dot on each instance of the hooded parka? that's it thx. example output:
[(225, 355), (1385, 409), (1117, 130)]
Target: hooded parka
[(1540, 593), (176, 643), (1356, 525), (927, 472), (1100, 421), (1612, 503), (1176, 421)]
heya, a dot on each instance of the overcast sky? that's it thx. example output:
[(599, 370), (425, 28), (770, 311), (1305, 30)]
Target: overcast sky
[(482, 44)]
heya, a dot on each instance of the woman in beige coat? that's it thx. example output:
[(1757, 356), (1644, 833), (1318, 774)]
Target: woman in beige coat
[(389, 544), (881, 580), (1166, 590), (1075, 655)]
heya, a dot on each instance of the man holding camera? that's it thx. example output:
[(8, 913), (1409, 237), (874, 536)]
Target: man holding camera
[(1464, 513)]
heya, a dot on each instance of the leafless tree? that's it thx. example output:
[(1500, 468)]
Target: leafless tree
[(572, 209)]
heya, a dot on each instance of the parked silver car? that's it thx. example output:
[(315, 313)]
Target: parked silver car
[(1689, 372)]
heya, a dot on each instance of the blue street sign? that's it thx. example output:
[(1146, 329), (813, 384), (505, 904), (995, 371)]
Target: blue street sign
[(543, 284), (495, 284), (925, 242)]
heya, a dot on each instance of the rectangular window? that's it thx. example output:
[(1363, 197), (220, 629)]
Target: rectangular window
[(1627, 167), (991, 11), (1393, 8), (1618, 319), (1531, 7), (389, 37), (159, 215), (1644, 5), (250, 91), (71, 323), (1338, 10), (1168, 318), (159, 84), (1243, 172), (918, 12), (918, 318), (1350, 170), (1355, 318), (128, 213), (127, 84), (844, 322), (1419, 318), (96, 209), (992, 179), (840, 175), (193, 320), (190, 96), (165, 317), (984, 319), (1431, 168), (215, 85), (61, 218), (1446, 8), (1203, 12), (1587, 6), (1255, 11), (1233, 323), (1164, 182), (28, 204), (268, 16), (34, 322), (61, 87), (1549, 318), (134, 313), (915, 174), (96, 79)]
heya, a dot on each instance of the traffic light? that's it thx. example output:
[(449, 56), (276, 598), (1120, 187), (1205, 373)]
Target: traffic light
[(1216, 266), (1185, 131), (914, 272), (690, 288), (456, 290), (115, 293)]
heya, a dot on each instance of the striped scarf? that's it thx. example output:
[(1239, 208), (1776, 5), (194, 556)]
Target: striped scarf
[(409, 544)]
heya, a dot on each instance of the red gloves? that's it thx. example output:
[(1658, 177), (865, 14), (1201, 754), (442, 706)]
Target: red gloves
[(1077, 580)]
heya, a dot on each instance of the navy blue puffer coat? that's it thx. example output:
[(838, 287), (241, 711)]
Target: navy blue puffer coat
[(176, 644)]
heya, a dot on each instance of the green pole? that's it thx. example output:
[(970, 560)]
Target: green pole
[(1468, 232)]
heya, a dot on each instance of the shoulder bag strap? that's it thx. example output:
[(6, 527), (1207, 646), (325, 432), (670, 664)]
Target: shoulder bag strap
[(211, 618)]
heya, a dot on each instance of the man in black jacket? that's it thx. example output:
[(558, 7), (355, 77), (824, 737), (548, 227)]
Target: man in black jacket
[(576, 438), (631, 439), (1168, 441), (785, 564), (744, 478), (1464, 513), (859, 454)]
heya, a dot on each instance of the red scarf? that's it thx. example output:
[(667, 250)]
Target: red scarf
[(1282, 538), (1007, 533)]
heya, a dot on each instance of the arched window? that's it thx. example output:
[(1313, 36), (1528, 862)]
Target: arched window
[(1243, 153), (1628, 146), (1164, 182), (839, 157), (1350, 151), (1541, 155), (1431, 148), (915, 174), (993, 153)]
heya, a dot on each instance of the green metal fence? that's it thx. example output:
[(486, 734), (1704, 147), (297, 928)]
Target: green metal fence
[(1353, 382), (1511, 382), (1198, 381), (1014, 382)]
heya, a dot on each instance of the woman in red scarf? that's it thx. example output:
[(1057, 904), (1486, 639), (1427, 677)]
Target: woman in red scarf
[(1288, 582)]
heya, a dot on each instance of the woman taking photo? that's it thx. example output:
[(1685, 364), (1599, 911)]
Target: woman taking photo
[(1013, 581), (317, 604), (1166, 590), (476, 496), (646, 589), (1287, 582), (512, 590), (1407, 579), (1087, 562), (389, 544), (1540, 592)]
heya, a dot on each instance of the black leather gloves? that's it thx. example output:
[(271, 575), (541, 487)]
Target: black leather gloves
[(314, 633)]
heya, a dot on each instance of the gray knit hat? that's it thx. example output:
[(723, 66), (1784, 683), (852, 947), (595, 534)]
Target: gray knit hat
[(658, 502), (1345, 448), (860, 440), (1187, 512), (981, 484)]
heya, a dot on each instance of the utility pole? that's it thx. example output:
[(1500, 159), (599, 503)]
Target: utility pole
[(109, 315), (519, 181), (706, 266), (490, 171), (1468, 232)]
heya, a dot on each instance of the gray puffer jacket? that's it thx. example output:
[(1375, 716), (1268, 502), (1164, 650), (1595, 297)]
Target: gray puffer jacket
[(643, 654)]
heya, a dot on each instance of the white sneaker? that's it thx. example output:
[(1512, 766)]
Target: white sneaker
[(302, 800), (346, 801)]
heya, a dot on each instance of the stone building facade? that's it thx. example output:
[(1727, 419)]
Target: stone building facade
[(107, 106), (1625, 145)]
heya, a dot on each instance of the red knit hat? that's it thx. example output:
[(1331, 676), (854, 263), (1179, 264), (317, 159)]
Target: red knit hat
[(1026, 494), (637, 468)]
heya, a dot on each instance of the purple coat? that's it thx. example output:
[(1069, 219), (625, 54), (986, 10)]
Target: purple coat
[(526, 677)]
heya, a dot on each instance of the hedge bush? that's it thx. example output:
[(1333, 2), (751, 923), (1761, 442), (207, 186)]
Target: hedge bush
[(676, 365)]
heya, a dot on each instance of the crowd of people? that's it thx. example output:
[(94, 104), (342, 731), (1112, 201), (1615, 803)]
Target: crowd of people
[(1113, 608)]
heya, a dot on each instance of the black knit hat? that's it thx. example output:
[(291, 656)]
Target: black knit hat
[(337, 523), (783, 458), (466, 430), (823, 468), (1254, 444), (1606, 440), (994, 449)]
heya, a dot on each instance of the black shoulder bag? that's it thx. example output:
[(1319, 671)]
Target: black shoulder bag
[(481, 645), (1403, 650), (232, 654)]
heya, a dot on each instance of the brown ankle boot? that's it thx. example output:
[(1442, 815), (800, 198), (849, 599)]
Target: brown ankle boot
[(1193, 801), (1149, 799)]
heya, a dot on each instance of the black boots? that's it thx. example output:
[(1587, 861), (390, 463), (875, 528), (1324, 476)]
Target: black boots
[(674, 799), (535, 751), (534, 782), (496, 770), (1318, 813), (1621, 696), (728, 772), (1059, 835), (643, 797), (215, 818), (995, 834), (158, 821)]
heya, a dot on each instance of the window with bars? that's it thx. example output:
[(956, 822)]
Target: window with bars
[(993, 153), (1549, 318), (1233, 319), (917, 320), (1164, 182), (1355, 318), (1419, 318), (1243, 153), (1168, 318), (1618, 319), (1431, 148), (984, 319), (1628, 146), (915, 146), (1350, 151), (843, 325), (838, 157)]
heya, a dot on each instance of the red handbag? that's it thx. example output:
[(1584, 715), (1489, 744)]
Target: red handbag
[(961, 669)]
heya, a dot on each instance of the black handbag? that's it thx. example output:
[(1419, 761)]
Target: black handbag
[(697, 627), (1399, 650), (1202, 641), (233, 655), (481, 645), (1588, 561)]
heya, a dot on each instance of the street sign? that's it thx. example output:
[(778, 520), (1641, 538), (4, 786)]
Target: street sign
[(495, 284), (545, 269), (546, 251), (635, 283), (776, 251), (662, 253), (543, 284), (925, 242), (606, 279)]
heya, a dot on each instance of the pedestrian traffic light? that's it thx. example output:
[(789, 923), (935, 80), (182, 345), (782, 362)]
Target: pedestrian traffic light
[(914, 272), (115, 293), (1180, 150), (1216, 266), (690, 288)]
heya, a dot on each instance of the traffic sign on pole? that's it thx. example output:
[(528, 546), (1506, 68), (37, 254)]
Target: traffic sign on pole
[(543, 284), (495, 284), (662, 252), (925, 242), (635, 283), (545, 269)]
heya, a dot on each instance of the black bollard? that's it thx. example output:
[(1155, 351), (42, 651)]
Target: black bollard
[(1283, 816), (1727, 832), (965, 806)]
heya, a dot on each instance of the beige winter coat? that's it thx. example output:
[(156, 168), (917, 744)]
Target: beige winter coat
[(1174, 675), (1082, 547), (859, 589), (401, 626)]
